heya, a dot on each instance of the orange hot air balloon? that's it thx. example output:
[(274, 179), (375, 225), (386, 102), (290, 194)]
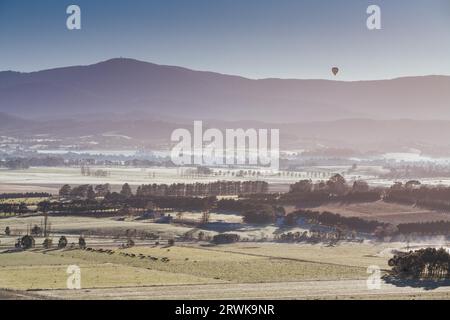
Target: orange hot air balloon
[(335, 70)]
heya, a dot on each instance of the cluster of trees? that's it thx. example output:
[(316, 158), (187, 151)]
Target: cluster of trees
[(258, 209), (335, 189), (184, 203), (117, 203), (426, 263), (240, 205), (336, 185), (335, 220), (204, 189), (262, 214), (85, 191), (225, 238), (413, 193)]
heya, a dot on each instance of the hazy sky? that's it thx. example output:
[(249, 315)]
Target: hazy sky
[(253, 38)]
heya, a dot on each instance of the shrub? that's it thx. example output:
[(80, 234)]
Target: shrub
[(81, 242), (263, 215), (130, 243), (225, 238), (27, 242), (48, 243), (62, 243)]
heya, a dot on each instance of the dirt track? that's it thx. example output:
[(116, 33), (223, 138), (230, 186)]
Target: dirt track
[(343, 289), (18, 295)]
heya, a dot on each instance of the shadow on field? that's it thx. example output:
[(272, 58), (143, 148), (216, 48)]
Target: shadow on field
[(9, 251), (416, 283)]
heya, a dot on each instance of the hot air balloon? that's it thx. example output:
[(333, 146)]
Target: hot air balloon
[(335, 70)]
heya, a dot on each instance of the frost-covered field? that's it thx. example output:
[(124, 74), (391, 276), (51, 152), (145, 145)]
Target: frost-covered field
[(49, 179), (237, 271), (40, 178)]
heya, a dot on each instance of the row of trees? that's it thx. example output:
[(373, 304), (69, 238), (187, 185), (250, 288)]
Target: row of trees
[(163, 190), (204, 189), (28, 242), (24, 195), (116, 203)]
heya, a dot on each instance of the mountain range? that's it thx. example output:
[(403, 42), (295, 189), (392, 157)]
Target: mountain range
[(129, 102), (126, 85)]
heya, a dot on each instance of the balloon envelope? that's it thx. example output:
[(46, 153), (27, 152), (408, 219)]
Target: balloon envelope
[(335, 70)]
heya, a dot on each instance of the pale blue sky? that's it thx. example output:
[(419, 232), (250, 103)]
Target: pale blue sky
[(252, 38)]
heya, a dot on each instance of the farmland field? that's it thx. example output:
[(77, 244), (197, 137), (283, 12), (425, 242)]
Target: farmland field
[(385, 212), (50, 179), (248, 271), (258, 267), (40, 269)]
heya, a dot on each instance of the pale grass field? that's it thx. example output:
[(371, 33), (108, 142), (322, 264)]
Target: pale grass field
[(83, 224), (186, 265), (238, 271), (226, 266), (40, 178), (38, 271), (93, 276), (111, 226), (346, 254)]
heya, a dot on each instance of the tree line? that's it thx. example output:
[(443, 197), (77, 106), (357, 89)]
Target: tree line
[(413, 193), (333, 219), (24, 195), (219, 188)]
